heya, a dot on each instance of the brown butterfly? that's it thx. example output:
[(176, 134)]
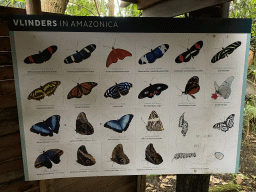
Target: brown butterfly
[(119, 156), (84, 158), (154, 122), (116, 54), (81, 89), (83, 126), (44, 160), (47, 90), (152, 156)]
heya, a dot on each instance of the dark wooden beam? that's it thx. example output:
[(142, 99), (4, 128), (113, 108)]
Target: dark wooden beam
[(173, 8)]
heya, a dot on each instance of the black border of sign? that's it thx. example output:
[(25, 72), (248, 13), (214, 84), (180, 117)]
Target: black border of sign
[(133, 24)]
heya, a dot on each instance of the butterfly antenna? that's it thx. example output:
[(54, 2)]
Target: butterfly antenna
[(114, 43), (143, 121), (76, 45), (178, 88)]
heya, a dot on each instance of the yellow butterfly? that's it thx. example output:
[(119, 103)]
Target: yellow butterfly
[(47, 90)]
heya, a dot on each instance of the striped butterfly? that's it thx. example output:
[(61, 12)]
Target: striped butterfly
[(183, 124), (47, 90), (117, 90), (226, 125), (224, 90), (226, 51)]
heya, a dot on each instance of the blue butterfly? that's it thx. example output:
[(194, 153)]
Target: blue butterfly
[(121, 124), (44, 160), (47, 127), (151, 56), (117, 90)]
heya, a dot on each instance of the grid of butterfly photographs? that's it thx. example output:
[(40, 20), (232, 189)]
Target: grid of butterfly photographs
[(129, 103)]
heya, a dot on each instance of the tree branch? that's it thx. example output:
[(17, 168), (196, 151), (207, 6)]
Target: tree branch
[(97, 7), (83, 7)]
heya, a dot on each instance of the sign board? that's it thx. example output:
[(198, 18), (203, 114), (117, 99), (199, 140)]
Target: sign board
[(129, 96)]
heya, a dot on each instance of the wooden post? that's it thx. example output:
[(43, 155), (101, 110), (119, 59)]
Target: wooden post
[(33, 7)]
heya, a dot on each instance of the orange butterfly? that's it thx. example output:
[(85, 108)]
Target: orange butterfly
[(81, 89), (116, 54)]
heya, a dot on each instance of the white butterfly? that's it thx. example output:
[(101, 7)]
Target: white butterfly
[(183, 124), (224, 90)]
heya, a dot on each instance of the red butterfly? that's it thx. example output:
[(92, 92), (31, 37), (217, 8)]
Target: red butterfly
[(81, 89), (116, 54)]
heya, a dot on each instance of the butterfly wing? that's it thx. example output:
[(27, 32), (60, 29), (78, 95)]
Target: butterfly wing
[(54, 123), (152, 156), (124, 88), (192, 86), (184, 128), (181, 120), (114, 125), (54, 155), (81, 55), (76, 92), (154, 122), (157, 53), (43, 161), (225, 89), (230, 121), (125, 121), (84, 158), (50, 88), (87, 87), (152, 90), (83, 126), (226, 125), (192, 52), (119, 156), (42, 129), (44, 56), (37, 94), (112, 92), (225, 51), (116, 54)]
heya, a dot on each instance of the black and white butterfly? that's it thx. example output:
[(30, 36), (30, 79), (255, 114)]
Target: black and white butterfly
[(225, 89), (152, 90), (226, 51), (154, 122), (154, 54), (117, 90), (226, 125), (183, 124), (80, 55)]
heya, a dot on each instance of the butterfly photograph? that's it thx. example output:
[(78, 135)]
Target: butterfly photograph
[(83, 126), (192, 87), (81, 89), (115, 55), (154, 122), (152, 90), (48, 127), (84, 158), (190, 53), (46, 90), (121, 124), (152, 156), (118, 90), (154, 54), (48, 157), (225, 125), (81, 55), (224, 90), (225, 51), (118, 155), (42, 56), (183, 124)]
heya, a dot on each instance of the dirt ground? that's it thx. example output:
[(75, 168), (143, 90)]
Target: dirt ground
[(244, 181)]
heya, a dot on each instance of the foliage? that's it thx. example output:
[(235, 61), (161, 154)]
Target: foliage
[(227, 187), (13, 3), (129, 11)]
